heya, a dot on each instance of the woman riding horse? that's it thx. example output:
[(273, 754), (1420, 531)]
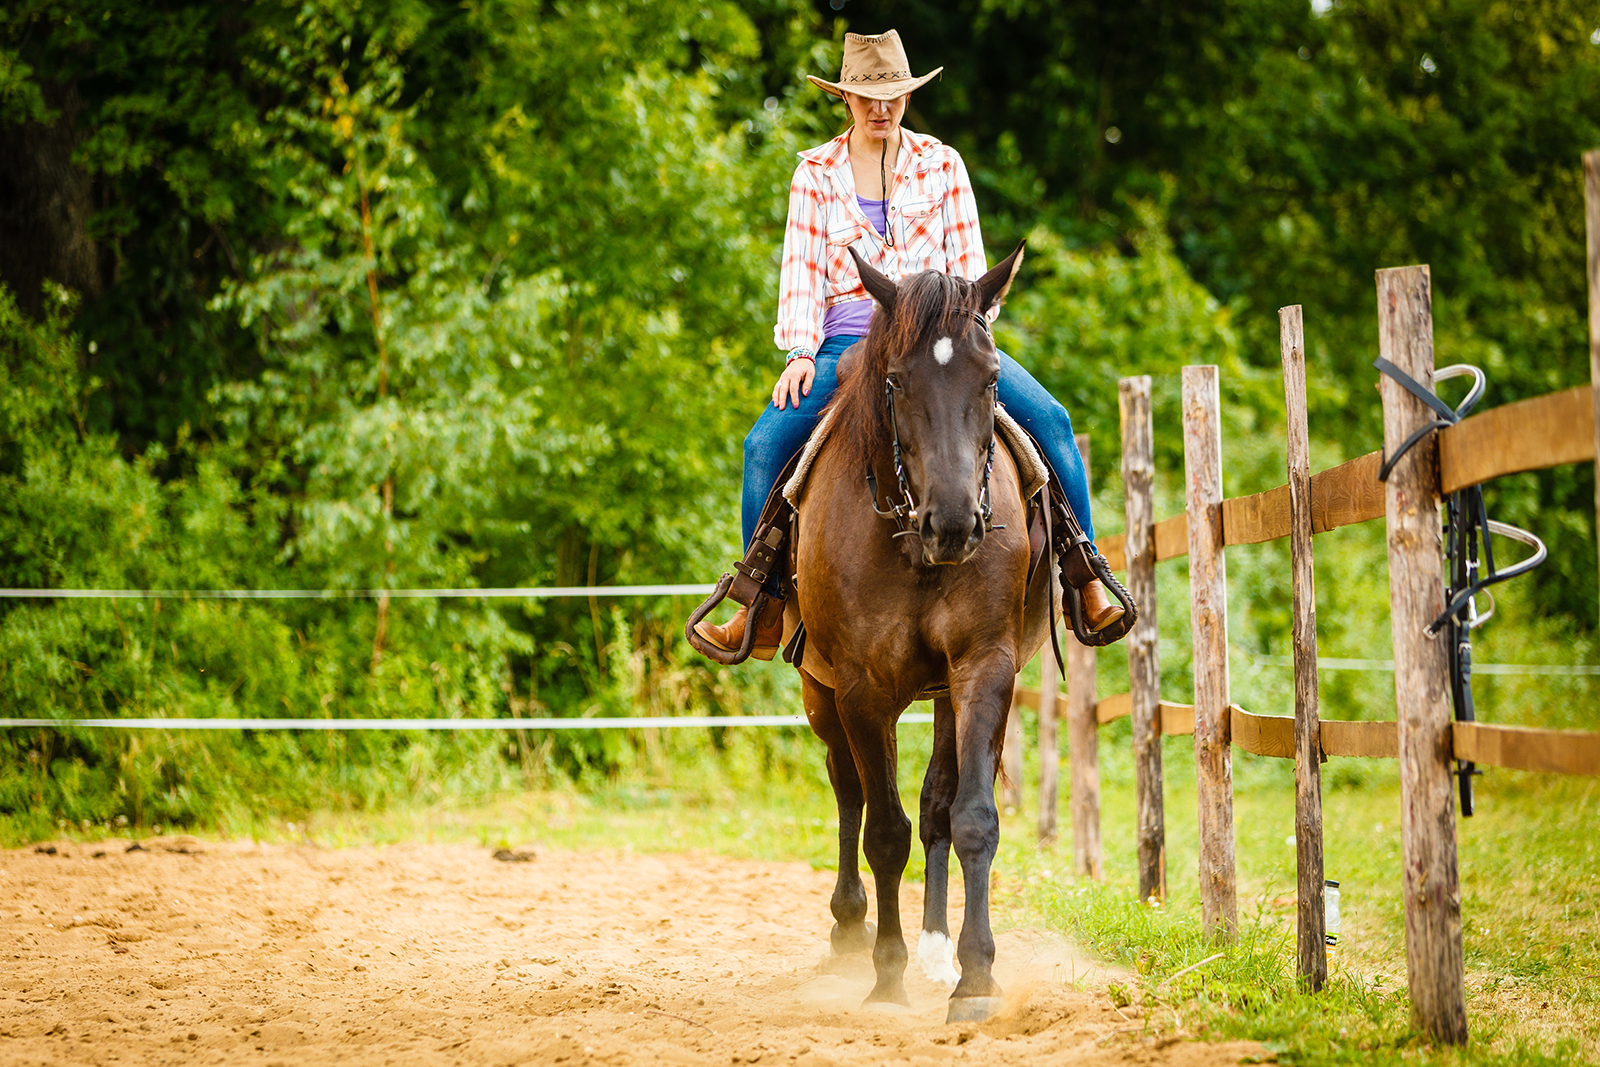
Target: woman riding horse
[(902, 202)]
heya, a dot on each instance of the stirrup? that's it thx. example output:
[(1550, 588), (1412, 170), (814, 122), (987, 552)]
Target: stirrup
[(1080, 565), (712, 652), (1117, 630), (764, 560), (747, 586)]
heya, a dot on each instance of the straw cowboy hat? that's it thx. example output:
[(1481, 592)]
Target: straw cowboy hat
[(874, 67)]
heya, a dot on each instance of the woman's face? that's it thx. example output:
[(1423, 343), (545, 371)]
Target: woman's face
[(876, 118)]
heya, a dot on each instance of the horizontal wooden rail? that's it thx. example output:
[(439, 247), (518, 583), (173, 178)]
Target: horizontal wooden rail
[(1170, 537), (1517, 748), (1522, 748), (1340, 496), (1175, 718), (1373, 740), (1114, 549), (1545, 431), (1264, 735)]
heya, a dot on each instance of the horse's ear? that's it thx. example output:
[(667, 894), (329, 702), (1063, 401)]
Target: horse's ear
[(880, 286), (993, 286)]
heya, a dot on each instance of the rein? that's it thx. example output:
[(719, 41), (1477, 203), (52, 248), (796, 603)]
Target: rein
[(903, 512)]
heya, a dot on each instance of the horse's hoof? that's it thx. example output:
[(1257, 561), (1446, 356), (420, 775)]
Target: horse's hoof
[(972, 1009), (888, 997), (886, 1007), (848, 940)]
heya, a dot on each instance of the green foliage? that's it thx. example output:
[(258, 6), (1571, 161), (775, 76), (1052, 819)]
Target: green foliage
[(497, 327), (440, 294), (1296, 153), (1088, 317)]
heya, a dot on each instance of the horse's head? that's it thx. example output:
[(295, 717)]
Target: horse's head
[(931, 354)]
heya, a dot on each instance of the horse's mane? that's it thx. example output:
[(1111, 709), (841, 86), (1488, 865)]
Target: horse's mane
[(927, 306)]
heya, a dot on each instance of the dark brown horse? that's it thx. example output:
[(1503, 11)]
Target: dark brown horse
[(940, 605)]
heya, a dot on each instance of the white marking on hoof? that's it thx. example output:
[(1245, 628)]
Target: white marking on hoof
[(942, 349), (937, 956)]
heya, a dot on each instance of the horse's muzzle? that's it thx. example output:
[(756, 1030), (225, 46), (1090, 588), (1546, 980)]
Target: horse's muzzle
[(949, 536)]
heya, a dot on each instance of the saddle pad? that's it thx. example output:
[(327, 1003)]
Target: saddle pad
[(808, 456), (1031, 470)]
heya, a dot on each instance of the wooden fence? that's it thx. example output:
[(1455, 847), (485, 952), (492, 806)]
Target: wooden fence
[(1543, 432)]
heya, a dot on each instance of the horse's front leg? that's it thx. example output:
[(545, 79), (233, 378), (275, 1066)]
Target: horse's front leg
[(934, 950), (887, 837), (982, 695), (851, 932)]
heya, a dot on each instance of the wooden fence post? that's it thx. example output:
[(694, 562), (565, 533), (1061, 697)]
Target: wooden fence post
[(1208, 614), (1049, 743), (1011, 758), (1310, 936), (1421, 666), (1083, 743), (1144, 673), (1591, 199)]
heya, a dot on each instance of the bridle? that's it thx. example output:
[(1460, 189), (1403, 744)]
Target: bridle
[(903, 512)]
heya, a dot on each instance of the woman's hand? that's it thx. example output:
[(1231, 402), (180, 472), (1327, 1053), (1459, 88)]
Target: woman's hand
[(794, 383)]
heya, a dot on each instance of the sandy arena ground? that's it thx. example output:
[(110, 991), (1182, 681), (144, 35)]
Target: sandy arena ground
[(200, 953)]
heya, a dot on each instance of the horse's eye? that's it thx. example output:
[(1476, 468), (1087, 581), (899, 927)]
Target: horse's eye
[(894, 381)]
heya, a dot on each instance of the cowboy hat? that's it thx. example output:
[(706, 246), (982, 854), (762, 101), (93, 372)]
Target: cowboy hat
[(874, 67)]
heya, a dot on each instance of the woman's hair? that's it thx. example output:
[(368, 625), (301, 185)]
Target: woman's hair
[(927, 306)]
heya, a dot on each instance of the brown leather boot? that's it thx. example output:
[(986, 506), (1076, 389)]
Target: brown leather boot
[(730, 635), (1099, 609)]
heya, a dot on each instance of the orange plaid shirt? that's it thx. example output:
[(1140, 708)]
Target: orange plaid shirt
[(931, 214)]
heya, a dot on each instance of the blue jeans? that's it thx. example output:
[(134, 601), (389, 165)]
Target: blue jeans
[(778, 435)]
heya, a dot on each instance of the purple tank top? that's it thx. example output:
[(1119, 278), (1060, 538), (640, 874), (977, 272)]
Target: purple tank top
[(852, 316)]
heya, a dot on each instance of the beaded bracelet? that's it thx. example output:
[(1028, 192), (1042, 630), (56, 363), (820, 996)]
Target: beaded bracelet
[(799, 353)]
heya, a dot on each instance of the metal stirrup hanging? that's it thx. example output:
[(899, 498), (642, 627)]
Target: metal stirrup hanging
[(1466, 526)]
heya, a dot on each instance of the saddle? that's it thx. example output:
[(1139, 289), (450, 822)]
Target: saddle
[(768, 570)]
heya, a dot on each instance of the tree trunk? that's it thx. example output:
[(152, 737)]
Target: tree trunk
[(45, 204)]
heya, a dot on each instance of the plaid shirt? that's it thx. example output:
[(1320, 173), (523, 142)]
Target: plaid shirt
[(931, 214)]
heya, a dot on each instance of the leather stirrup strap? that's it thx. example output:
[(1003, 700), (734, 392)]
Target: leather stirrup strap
[(774, 516), (1050, 577)]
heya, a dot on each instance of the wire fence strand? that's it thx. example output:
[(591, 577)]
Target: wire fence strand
[(512, 593), (675, 722)]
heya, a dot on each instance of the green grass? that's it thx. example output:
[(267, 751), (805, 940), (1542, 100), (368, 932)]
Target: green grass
[(1528, 908)]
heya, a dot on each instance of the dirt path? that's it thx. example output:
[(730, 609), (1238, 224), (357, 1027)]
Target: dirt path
[(202, 953)]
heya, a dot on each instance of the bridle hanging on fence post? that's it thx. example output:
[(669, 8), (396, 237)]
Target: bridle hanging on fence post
[(1466, 525)]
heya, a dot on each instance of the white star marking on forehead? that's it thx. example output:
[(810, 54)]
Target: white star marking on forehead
[(942, 349)]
